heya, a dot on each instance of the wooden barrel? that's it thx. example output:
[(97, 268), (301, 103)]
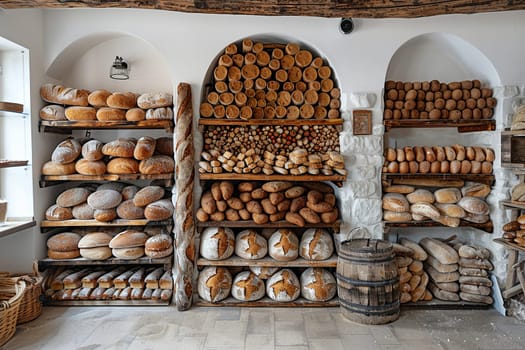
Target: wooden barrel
[(368, 281)]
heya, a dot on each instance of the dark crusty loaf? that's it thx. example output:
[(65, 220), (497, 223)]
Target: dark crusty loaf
[(63, 242)]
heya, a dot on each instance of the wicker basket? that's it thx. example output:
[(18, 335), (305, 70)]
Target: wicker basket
[(11, 294)]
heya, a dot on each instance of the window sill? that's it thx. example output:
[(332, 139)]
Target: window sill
[(13, 225)]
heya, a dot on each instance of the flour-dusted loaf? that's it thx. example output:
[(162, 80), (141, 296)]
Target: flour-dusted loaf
[(217, 243), (425, 209), (92, 150), (90, 280), (247, 286), (214, 284), (159, 246), (63, 242), (54, 168), (122, 100), (97, 253), (121, 147), (73, 196), (161, 113), (440, 250), (104, 199), (166, 280), (129, 211), (66, 151), (475, 189), (318, 284), (283, 286), (420, 196), (152, 278), (263, 272), (55, 93), (129, 239), (447, 195), (83, 212), (159, 210), (94, 240), (56, 213), (90, 167), (110, 114), (98, 98), (250, 245), (147, 195), (154, 100), (452, 210), (397, 216), (122, 166), (145, 148), (159, 164), (395, 202), (164, 146), (474, 205), (129, 192), (76, 113), (316, 244), (105, 215), (283, 245), (52, 112), (128, 253)]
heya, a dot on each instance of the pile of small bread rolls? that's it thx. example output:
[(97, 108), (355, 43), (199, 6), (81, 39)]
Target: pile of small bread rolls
[(435, 100), (103, 105), (514, 231), (455, 159)]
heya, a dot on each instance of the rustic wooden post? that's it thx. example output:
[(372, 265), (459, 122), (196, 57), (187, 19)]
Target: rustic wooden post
[(184, 222)]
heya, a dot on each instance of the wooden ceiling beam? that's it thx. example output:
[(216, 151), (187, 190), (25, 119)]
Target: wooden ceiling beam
[(316, 8)]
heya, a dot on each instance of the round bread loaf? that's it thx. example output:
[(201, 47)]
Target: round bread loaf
[(147, 195), (129, 239), (158, 164), (283, 245), (90, 167), (121, 147), (447, 195), (318, 284), (158, 254), (122, 166), (129, 211), (104, 199), (316, 244), (128, 253), (159, 210), (135, 114), (129, 192), (110, 114), (92, 150), (63, 242), (247, 287), (154, 100), (72, 197), (396, 216), (105, 215), (283, 286), (54, 168), (161, 113), (94, 240), (159, 242), (122, 100), (164, 146), (474, 205), (63, 255), (52, 112), (77, 113), (98, 253), (420, 196), (217, 243), (395, 202), (263, 272), (98, 98), (214, 283), (83, 212), (250, 245), (66, 151), (56, 213), (145, 148)]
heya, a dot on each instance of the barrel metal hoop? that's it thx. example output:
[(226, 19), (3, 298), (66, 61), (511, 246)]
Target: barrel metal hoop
[(370, 310), (368, 283)]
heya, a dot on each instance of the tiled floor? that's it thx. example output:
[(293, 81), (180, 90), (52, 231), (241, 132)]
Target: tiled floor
[(159, 328)]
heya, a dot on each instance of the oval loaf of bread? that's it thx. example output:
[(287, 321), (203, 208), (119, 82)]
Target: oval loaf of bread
[(444, 253), (395, 202), (474, 205), (154, 100)]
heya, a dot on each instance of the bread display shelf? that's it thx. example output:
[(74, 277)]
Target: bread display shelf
[(461, 125), (509, 245), (277, 224), (167, 261), (65, 126), (269, 262), (50, 180), (336, 179), (267, 302), (13, 225), (46, 225), (508, 132), (513, 204), (279, 122), (397, 178), (445, 305), (487, 227), (4, 163), (106, 303), (11, 107)]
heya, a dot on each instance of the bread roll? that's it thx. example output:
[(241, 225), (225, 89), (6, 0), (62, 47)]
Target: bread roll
[(87, 167), (161, 113), (56, 213), (121, 147), (159, 164), (59, 94), (98, 253), (54, 168), (395, 202), (283, 286), (154, 100), (128, 239), (127, 210), (316, 244), (76, 113), (83, 212), (164, 146), (110, 114), (122, 100), (247, 287), (92, 150), (52, 112), (122, 166), (66, 151), (250, 245), (390, 154), (104, 199), (460, 152), (63, 242), (145, 148), (217, 243), (94, 240), (135, 114), (283, 245), (159, 210), (420, 196), (447, 195), (128, 253), (98, 98), (214, 284)]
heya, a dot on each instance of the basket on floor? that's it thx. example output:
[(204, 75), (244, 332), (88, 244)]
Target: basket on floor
[(11, 294)]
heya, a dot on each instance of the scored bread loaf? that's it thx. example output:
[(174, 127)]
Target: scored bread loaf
[(98, 98), (214, 283), (420, 196), (250, 245), (247, 286), (72, 197), (447, 195), (59, 94), (66, 151), (452, 210), (395, 202), (444, 253), (54, 168), (145, 148), (283, 286), (154, 100), (283, 245), (159, 246), (121, 147), (161, 113), (122, 100), (95, 239), (56, 213), (92, 150), (147, 195), (128, 239), (316, 244), (53, 112), (474, 205), (159, 164), (159, 210), (425, 209), (76, 113)]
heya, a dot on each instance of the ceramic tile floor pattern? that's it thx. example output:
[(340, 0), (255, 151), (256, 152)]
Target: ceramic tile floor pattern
[(159, 328)]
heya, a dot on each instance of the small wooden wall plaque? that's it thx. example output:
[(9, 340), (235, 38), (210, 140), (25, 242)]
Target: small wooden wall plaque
[(362, 121)]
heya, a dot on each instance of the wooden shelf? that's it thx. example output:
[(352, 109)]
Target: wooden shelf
[(280, 122), (11, 107), (269, 262), (13, 225), (461, 125), (508, 132), (487, 226), (4, 163), (106, 302), (46, 262), (513, 204), (65, 126), (487, 179), (277, 224), (267, 302), (336, 179), (46, 225), (509, 245), (50, 180), (445, 305)]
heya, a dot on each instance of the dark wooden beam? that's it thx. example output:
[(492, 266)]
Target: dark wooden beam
[(317, 8)]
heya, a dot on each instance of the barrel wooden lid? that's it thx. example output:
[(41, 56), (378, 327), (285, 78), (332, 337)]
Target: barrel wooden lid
[(363, 245)]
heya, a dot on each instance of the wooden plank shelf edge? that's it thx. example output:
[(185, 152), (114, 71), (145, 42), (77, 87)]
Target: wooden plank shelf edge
[(49, 225), (14, 225), (462, 125), (11, 107), (509, 245), (487, 179), (51, 180), (336, 179), (277, 224), (67, 125), (268, 261), (112, 261), (487, 227), (106, 302), (280, 122), (267, 302), (4, 163), (513, 204)]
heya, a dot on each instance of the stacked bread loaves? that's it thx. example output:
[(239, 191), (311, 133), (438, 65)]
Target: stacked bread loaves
[(121, 283), (103, 105), (474, 280), (514, 231), (146, 155), (256, 81), (413, 280), (518, 119), (434, 100), (272, 201), (456, 159), (63, 246), (446, 205)]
